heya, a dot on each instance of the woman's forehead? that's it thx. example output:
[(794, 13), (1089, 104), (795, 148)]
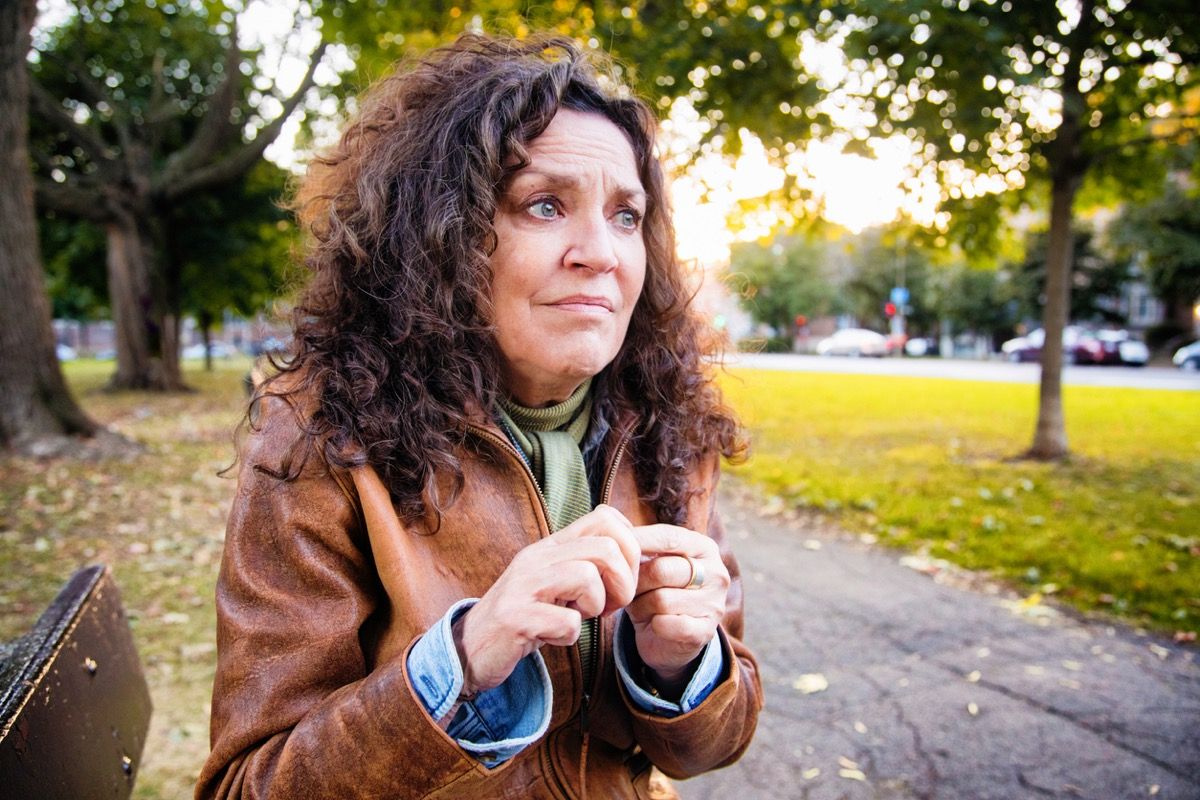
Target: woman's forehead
[(578, 146)]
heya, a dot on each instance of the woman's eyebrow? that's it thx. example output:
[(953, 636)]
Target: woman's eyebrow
[(567, 181)]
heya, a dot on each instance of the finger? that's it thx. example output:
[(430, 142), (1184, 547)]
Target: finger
[(688, 602), (574, 584), (662, 539), (685, 632), (665, 572), (620, 582), (604, 520), (551, 624)]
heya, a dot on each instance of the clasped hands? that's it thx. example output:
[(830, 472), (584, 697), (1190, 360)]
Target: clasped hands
[(596, 565)]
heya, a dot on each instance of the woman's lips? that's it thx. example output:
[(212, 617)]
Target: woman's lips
[(586, 304)]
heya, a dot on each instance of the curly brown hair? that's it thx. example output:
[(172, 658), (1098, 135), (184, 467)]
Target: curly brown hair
[(394, 342)]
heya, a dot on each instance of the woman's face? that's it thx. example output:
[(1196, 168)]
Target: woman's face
[(570, 258)]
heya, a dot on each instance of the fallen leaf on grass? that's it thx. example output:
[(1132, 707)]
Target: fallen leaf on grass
[(974, 676), (972, 709), (847, 763), (810, 683), (924, 564), (860, 727), (1160, 651), (1032, 600), (852, 774), (809, 774), (1030, 607)]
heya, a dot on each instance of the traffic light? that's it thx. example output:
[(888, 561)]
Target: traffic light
[(801, 320), (889, 309)]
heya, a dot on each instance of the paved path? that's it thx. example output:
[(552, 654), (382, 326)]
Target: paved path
[(971, 370), (944, 687)]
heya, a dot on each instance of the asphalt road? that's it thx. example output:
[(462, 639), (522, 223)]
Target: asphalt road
[(884, 681), (964, 369)]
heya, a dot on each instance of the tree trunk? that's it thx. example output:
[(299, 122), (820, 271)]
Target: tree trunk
[(1067, 165), (206, 320), (35, 405), (1050, 439), (147, 340)]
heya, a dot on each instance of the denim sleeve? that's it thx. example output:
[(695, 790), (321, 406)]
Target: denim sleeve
[(494, 725), (709, 672)]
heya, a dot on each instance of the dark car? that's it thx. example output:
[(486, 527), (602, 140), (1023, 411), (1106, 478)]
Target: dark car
[(1029, 347), (1081, 346), (1118, 347)]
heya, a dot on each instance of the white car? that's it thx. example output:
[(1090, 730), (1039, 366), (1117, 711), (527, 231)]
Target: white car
[(216, 349), (1188, 357), (853, 342)]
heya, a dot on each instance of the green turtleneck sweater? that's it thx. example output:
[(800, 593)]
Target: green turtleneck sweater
[(551, 439)]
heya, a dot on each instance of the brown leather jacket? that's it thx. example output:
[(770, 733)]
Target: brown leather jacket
[(321, 592)]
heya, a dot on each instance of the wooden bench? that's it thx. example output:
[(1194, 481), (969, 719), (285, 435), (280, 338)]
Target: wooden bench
[(74, 706)]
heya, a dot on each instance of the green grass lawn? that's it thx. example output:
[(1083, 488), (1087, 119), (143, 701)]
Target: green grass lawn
[(927, 464), (918, 463)]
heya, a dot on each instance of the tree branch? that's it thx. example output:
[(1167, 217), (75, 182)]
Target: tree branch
[(241, 160), (214, 130), (1148, 139), (50, 109), (95, 97), (73, 201)]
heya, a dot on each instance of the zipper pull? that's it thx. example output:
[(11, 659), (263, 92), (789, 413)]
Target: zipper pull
[(583, 712)]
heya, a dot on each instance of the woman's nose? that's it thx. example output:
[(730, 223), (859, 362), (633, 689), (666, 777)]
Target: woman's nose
[(592, 246)]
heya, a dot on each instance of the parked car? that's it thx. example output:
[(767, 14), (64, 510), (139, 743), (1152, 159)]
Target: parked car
[(216, 350), (1081, 346), (1029, 347), (921, 346), (272, 344), (853, 342), (1118, 347), (1188, 357)]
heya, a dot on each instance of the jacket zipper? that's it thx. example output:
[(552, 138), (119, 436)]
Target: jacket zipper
[(504, 444), (589, 659), (589, 654)]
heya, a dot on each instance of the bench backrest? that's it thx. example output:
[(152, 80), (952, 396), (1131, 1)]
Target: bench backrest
[(74, 706)]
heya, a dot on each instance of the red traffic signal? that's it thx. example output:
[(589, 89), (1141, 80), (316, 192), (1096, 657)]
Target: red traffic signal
[(801, 320), (889, 309)]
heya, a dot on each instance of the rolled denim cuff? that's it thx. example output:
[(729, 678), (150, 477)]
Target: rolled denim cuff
[(494, 725), (433, 666), (709, 671)]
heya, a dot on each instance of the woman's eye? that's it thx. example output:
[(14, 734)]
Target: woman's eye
[(544, 209), (628, 218)]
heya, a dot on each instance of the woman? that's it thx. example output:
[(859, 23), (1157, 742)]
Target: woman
[(474, 550)]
